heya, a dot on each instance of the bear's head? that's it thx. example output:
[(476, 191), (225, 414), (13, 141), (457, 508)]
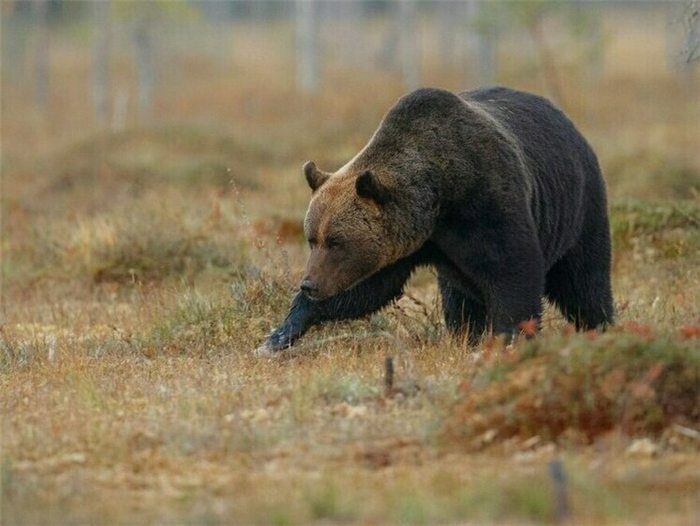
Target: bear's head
[(353, 227)]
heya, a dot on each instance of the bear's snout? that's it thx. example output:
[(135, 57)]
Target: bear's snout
[(309, 288)]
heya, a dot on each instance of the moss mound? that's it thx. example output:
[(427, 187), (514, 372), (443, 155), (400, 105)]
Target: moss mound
[(581, 386)]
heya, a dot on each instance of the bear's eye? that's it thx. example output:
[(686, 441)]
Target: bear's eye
[(333, 243), (313, 242)]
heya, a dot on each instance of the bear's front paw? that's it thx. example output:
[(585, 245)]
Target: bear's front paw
[(278, 340), (264, 350)]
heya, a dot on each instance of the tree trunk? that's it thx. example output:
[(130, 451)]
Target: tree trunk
[(217, 41), (409, 43), (14, 43), (215, 10), (41, 72), (549, 68), (487, 48), (691, 21), (682, 37), (596, 64), (100, 64), (308, 60), (350, 19), (145, 73), (447, 18)]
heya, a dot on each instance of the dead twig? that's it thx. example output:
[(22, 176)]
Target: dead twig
[(562, 508), (389, 377), (686, 431)]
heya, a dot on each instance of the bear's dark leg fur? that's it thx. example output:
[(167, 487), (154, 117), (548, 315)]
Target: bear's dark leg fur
[(463, 312), (514, 302), (363, 299), (579, 283), (503, 260)]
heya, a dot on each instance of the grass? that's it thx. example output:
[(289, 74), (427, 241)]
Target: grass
[(674, 227), (137, 280)]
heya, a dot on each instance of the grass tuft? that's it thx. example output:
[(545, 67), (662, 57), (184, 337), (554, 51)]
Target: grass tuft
[(214, 324), (145, 248)]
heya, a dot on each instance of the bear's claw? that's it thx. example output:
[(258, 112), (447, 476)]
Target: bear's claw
[(264, 350), (278, 340)]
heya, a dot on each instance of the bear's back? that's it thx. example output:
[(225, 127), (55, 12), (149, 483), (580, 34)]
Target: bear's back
[(542, 129), (562, 166), (544, 132)]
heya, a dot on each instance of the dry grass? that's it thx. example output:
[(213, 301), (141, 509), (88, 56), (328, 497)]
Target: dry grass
[(137, 281)]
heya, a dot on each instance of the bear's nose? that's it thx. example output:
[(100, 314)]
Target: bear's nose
[(308, 288)]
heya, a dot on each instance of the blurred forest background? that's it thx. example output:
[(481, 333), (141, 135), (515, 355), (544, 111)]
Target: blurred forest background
[(152, 207), (272, 69)]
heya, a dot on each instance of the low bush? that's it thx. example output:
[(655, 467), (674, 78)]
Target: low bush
[(581, 386)]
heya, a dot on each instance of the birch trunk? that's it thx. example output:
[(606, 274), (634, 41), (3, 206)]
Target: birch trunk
[(145, 74), (100, 58), (447, 16), (41, 72), (409, 43), (487, 49), (308, 61)]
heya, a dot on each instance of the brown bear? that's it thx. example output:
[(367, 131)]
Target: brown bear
[(495, 188)]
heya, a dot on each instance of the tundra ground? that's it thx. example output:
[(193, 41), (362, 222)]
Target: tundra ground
[(141, 268)]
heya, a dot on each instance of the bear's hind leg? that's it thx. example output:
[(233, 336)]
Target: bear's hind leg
[(579, 284), (463, 312)]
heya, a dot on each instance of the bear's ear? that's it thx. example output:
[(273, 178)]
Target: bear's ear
[(314, 176), (370, 187)]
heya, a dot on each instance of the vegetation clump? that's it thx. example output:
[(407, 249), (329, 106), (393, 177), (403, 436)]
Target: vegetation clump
[(581, 386), (167, 154), (216, 324), (673, 227), (136, 249)]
